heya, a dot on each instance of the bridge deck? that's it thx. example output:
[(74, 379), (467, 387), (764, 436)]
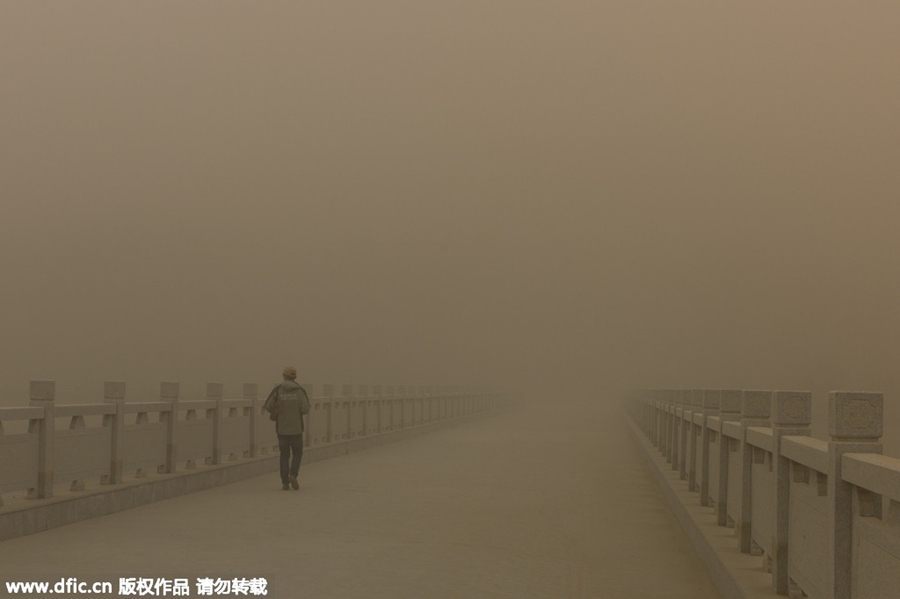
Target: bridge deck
[(518, 505)]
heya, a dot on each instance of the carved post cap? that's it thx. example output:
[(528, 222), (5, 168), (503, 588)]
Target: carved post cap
[(792, 408), (756, 405), (730, 401), (712, 398), (169, 390), (697, 398), (42, 391), (855, 415), (114, 390), (214, 390), (251, 390)]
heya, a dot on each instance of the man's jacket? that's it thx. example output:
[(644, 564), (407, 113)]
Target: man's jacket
[(291, 402)]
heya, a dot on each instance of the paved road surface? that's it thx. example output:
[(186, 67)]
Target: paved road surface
[(514, 506)]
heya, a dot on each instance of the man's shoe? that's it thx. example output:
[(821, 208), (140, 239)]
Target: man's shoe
[(285, 487), (294, 483)]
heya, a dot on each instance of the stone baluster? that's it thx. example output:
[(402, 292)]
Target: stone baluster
[(729, 409), (855, 424), (251, 394), (756, 410), (307, 420), (214, 392), (42, 394), (169, 392), (711, 400), (791, 415), (689, 467), (363, 394), (377, 392), (328, 404)]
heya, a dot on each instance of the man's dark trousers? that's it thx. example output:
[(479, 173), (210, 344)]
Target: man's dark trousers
[(288, 444)]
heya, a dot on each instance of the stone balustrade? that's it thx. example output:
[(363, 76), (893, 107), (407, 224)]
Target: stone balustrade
[(814, 511), (66, 446)]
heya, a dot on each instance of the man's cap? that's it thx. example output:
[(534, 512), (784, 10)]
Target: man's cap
[(290, 372)]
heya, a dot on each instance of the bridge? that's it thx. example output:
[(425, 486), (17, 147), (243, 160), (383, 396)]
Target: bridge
[(458, 493)]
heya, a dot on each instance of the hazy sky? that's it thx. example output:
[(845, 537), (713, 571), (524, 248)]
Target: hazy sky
[(698, 194)]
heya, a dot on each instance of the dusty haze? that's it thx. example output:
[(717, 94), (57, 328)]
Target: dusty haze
[(579, 195)]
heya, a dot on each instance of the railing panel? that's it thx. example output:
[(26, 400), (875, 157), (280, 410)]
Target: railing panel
[(234, 434), (418, 411), (266, 437), (145, 448), (18, 462), (808, 532), (194, 437), (357, 418), (81, 455), (763, 500), (876, 556), (340, 413), (714, 452), (317, 422), (734, 478), (397, 413), (372, 416), (408, 414), (387, 414)]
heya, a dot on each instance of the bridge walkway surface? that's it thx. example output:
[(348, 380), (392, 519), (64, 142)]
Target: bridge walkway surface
[(530, 503)]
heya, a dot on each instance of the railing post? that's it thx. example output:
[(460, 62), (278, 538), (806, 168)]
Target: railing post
[(855, 424), (169, 392), (791, 415), (328, 393), (376, 391), (363, 393), (401, 393), (114, 393), (654, 398), (251, 393), (310, 391), (711, 400), (666, 402), (347, 395), (729, 409), (42, 394), (214, 392), (690, 469), (675, 449), (756, 410)]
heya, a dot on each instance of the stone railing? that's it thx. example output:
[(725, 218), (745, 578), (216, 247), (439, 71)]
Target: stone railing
[(813, 510), (47, 448)]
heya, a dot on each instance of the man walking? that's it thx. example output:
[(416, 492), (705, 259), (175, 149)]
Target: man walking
[(287, 403)]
